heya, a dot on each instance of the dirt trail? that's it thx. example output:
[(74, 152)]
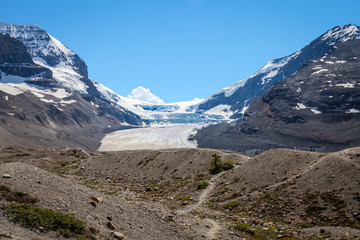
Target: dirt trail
[(214, 226), (202, 197), (214, 230)]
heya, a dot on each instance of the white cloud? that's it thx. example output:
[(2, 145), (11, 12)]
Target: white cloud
[(144, 94)]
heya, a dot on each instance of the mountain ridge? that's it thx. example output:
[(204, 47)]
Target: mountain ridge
[(316, 109), (242, 93)]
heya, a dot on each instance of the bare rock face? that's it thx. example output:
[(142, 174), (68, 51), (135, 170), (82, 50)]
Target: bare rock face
[(15, 60), (316, 109)]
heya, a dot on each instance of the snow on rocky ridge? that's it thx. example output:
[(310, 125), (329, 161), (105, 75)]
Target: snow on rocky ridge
[(242, 93)]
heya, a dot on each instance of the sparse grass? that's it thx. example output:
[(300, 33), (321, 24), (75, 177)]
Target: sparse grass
[(230, 205), (244, 227), (184, 198), (242, 214), (203, 185), (304, 225)]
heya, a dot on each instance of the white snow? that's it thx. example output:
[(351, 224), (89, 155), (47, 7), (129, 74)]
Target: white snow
[(229, 90), (320, 71), (300, 106), (352, 110), (156, 137), (7, 78), (268, 76), (341, 61), (345, 85), (329, 62), (63, 102), (342, 34), (223, 110), (317, 67), (6, 98), (298, 89), (65, 75), (47, 100), (314, 110), (271, 69)]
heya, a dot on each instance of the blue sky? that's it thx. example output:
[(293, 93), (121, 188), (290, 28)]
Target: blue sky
[(180, 49)]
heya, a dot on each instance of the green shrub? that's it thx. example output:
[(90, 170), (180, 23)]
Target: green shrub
[(218, 166), (202, 185), (19, 197), (227, 165), (29, 215)]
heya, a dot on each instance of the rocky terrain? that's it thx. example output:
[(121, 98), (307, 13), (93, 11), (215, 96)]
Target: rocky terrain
[(239, 96), (316, 109), (177, 194)]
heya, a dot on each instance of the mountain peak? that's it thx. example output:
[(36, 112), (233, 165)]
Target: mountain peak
[(341, 34)]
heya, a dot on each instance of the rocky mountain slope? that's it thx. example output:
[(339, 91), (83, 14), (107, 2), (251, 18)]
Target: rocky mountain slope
[(279, 194), (235, 99), (46, 97), (316, 109)]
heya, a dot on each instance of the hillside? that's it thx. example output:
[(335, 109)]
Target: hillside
[(280, 194)]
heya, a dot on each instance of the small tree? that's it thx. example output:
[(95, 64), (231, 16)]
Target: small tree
[(216, 165)]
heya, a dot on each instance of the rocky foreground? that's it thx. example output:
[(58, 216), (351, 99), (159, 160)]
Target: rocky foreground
[(185, 194)]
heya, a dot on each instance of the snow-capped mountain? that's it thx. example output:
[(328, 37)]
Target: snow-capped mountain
[(240, 95), (46, 97), (316, 109), (70, 71)]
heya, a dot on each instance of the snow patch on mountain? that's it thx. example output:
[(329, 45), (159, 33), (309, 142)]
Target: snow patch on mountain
[(341, 34), (223, 110), (56, 95), (8, 78), (66, 76)]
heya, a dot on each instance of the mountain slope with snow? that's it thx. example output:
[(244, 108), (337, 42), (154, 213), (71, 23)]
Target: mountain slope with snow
[(241, 94), (46, 97), (316, 109)]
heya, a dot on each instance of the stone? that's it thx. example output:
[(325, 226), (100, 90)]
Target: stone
[(97, 199), (118, 235), (110, 225), (6, 175), (93, 204)]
